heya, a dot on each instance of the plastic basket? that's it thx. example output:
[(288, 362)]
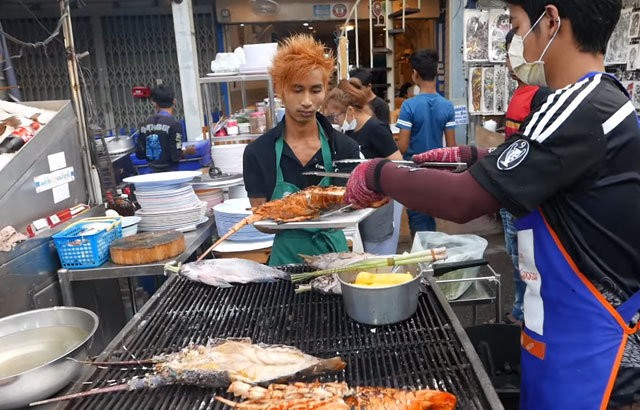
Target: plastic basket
[(86, 251)]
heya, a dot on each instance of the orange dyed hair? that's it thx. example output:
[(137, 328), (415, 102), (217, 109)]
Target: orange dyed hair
[(298, 56)]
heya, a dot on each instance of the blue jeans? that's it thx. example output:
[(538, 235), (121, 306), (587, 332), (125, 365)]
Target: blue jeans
[(511, 243), (419, 222)]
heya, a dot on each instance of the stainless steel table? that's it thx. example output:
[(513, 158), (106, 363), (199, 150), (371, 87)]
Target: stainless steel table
[(110, 270)]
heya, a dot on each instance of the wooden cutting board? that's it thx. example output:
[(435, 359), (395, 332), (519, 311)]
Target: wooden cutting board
[(147, 247)]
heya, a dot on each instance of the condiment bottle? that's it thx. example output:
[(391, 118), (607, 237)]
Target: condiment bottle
[(19, 137)]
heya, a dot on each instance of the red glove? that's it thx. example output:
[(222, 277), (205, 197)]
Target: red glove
[(358, 194), (450, 154)]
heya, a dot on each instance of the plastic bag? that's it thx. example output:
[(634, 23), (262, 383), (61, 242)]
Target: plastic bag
[(459, 248)]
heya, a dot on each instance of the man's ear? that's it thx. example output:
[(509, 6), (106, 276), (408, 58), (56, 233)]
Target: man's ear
[(552, 24)]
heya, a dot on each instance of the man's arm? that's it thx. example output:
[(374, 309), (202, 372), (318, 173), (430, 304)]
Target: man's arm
[(141, 146), (175, 141), (403, 140), (450, 137), (257, 201)]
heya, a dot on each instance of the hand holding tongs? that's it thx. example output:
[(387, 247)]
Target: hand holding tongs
[(453, 166)]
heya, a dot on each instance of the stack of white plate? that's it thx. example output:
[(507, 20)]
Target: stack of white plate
[(212, 196), (232, 211), (228, 157), (168, 202)]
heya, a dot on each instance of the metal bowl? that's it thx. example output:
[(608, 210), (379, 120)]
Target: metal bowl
[(384, 305), (119, 144), (36, 348)]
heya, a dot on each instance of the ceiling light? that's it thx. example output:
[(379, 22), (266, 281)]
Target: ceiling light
[(242, 25), (310, 28), (349, 27), (305, 24)]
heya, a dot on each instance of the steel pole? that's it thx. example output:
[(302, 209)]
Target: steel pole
[(76, 98)]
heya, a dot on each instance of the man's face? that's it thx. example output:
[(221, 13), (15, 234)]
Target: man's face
[(533, 43), (512, 74), (304, 97)]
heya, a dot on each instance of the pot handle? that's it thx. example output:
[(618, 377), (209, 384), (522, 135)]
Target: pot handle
[(440, 269)]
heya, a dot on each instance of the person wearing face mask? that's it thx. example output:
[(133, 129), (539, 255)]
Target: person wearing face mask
[(422, 121), (571, 177), (303, 141), (348, 102)]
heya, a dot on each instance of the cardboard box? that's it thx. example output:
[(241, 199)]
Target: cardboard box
[(488, 139)]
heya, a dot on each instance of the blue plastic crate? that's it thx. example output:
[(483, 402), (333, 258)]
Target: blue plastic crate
[(86, 251)]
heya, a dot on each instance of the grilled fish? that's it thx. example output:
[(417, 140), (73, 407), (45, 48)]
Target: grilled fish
[(224, 272), (218, 364), (336, 396), (329, 284), (335, 260)]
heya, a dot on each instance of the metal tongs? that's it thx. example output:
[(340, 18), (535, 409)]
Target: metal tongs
[(452, 166)]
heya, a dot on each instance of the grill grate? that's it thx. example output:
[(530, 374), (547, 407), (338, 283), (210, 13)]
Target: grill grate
[(421, 352)]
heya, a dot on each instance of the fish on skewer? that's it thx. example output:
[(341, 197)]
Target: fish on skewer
[(299, 206), (224, 272), (335, 259), (335, 396), (329, 284), (218, 364)]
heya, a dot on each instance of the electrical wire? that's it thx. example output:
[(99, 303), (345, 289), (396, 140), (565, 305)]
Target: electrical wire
[(37, 44), (37, 19)]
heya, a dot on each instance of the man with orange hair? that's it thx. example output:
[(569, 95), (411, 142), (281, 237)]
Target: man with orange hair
[(303, 141)]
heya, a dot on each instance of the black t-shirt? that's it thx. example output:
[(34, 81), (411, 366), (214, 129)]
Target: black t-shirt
[(375, 139), (160, 142), (578, 159), (259, 161), (380, 109)]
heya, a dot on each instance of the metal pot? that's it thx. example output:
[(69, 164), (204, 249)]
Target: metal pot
[(36, 350), (381, 306), (390, 304)]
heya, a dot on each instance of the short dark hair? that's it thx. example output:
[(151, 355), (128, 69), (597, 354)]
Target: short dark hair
[(163, 95), (592, 21), (363, 74), (425, 62), (509, 38), (404, 90)]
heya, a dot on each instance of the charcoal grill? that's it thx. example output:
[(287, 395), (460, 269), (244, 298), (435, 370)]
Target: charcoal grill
[(429, 350)]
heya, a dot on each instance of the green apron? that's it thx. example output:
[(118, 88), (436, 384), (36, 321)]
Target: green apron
[(288, 243)]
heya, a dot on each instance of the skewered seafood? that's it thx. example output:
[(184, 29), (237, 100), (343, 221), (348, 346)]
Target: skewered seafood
[(335, 259), (223, 272), (336, 396), (330, 284), (300, 206), (220, 363)]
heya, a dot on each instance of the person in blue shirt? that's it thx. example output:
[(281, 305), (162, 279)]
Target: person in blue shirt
[(423, 120)]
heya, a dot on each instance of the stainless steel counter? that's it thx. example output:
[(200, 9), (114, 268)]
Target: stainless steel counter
[(110, 270)]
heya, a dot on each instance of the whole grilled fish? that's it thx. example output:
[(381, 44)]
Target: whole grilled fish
[(218, 364), (224, 272)]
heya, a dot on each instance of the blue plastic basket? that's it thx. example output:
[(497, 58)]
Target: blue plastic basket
[(86, 251)]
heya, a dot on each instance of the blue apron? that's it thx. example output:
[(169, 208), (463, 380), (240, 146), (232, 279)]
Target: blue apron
[(288, 244), (573, 339)]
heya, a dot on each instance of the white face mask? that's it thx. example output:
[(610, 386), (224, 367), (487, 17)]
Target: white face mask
[(529, 73), (348, 125)]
